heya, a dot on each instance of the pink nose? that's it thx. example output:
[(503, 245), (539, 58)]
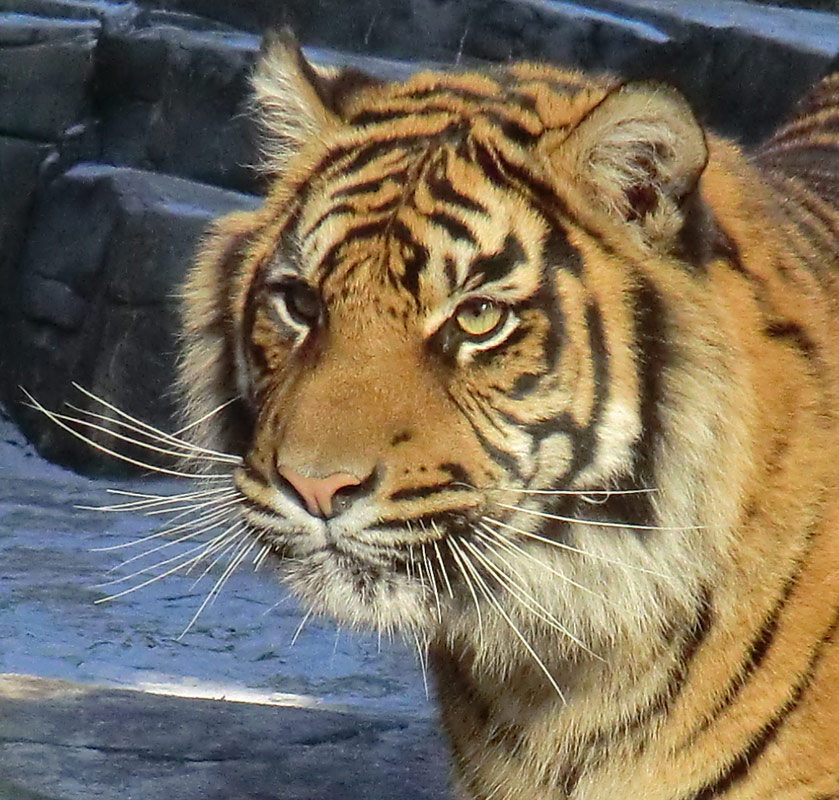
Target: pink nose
[(317, 493)]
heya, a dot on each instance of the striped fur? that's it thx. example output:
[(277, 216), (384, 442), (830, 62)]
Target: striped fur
[(611, 517)]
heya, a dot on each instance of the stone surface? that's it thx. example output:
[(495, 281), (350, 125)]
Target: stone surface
[(55, 55), (62, 740), (65, 741), (95, 288), (173, 100)]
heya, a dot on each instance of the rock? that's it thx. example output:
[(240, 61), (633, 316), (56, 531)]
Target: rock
[(57, 56), (173, 99), (96, 284), (64, 740)]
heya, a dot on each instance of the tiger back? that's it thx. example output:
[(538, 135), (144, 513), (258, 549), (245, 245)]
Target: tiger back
[(528, 367)]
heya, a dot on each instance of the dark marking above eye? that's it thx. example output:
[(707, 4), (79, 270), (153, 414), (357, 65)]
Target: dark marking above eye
[(497, 265), (559, 253)]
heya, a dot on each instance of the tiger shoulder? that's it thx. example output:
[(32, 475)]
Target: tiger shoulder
[(529, 367)]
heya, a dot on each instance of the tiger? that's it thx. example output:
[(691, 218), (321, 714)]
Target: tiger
[(527, 366)]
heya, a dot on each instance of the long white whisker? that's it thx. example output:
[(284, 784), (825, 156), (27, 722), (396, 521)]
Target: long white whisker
[(429, 570), (598, 523), (520, 593), (120, 456), (121, 437), (493, 601), (497, 538), (260, 557), (439, 555), (571, 549), (422, 654), (178, 433), (174, 438), (145, 501), (154, 578), (461, 559), (300, 627), (222, 510), (185, 449), (235, 560)]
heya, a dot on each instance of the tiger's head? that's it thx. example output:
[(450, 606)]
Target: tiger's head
[(449, 355)]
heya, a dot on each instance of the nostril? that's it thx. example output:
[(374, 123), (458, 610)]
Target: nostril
[(325, 497), (349, 494)]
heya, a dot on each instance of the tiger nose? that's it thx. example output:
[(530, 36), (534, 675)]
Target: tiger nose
[(318, 493)]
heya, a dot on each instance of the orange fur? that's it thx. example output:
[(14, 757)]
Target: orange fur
[(611, 517)]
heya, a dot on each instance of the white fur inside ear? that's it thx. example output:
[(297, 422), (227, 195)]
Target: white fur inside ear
[(637, 155), (289, 108)]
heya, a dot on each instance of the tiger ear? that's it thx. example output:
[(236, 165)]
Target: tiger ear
[(638, 156), (296, 101)]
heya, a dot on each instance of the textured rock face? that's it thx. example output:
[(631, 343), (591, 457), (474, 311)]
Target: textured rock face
[(96, 288), (123, 132)]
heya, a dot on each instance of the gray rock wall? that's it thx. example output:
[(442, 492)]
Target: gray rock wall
[(122, 134)]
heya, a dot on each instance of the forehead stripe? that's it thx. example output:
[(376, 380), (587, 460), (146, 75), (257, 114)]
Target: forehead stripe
[(494, 267)]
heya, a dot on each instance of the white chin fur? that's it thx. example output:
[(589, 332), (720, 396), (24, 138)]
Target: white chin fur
[(378, 600)]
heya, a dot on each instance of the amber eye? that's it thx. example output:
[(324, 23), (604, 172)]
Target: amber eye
[(480, 318), (301, 301)]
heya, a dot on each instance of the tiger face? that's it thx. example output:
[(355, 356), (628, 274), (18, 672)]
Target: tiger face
[(447, 374), (525, 366)]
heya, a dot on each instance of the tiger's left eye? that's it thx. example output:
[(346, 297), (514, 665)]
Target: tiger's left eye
[(480, 318)]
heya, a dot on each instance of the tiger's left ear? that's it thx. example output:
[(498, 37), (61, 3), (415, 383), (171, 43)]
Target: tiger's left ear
[(637, 155)]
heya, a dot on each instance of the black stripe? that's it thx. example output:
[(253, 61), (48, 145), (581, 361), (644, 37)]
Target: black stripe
[(456, 229), (441, 189), (512, 129), (755, 655), (489, 354), (427, 491), (329, 262), (743, 763), (368, 187), (795, 333), (498, 265), (558, 253)]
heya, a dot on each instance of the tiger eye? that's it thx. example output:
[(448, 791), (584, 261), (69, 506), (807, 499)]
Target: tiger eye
[(300, 300), (479, 318)]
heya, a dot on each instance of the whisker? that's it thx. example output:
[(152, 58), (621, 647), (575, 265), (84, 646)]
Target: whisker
[(221, 544), (599, 523), (572, 549), (460, 558), (185, 449), (121, 437), (145, 501), (422, 654), (300, 628), (521, 594), (235, 560), (440, 560), (173, 438), (497, 538), (260, 557), (493, 601), (221, 510), (154, 578), (208, 415), (432, 581), (53, 417)]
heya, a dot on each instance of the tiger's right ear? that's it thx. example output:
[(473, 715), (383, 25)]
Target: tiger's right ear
[(288, 105), (296, 101)]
